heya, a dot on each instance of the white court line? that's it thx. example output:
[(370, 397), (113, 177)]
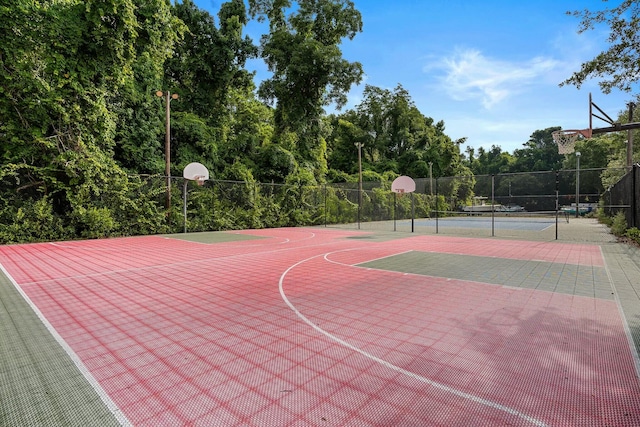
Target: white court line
[(625, 324), (513, 288), (369, 260), (282, 240), (234, 243), (172, 264), (78, 247), (110, 404), (435, 384)]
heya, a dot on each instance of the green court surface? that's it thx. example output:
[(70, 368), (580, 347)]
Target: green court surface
[(40, 384), (213, 237), (574, 279)]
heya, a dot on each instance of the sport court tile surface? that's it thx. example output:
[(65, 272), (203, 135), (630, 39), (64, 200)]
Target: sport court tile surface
[(306, 327), (500, 223)]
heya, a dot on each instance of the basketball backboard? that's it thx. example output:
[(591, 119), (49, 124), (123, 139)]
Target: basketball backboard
[(403, 184), (196, 172)]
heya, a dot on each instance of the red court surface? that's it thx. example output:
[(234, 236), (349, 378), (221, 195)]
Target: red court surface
[(289, 331)]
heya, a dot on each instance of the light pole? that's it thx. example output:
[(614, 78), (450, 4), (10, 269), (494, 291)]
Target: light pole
[(359, 146), (577, 184), (630, 139), (167, 142), (431, 178)]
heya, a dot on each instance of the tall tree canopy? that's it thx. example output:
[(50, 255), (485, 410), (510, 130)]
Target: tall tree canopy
[(67, 70), (81, 128), (211, 59), (302, 50), (619, 65), (66, 64), (207, 70), (395, 136)]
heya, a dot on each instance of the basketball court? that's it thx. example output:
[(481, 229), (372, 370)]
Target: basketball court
[(316, 326)]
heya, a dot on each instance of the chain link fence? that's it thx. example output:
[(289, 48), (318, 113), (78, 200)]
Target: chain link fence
[(623, 196), (486, 205)]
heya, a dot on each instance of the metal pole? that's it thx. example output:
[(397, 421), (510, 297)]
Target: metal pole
[(325, 204), (493, 206), (359, 145), (412, 212), (634, 202), (167, 141), (630, 138), (167, 150), (436, 206), (395, 208), (577, 184), (431, 178), (557, 201), (184, 204)]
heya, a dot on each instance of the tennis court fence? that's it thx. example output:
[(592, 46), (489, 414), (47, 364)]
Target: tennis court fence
[(139, 207), (503, 197), (623, 196)]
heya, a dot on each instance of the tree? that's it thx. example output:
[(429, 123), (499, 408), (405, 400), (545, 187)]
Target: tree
[(619, 65), (396, 138), (341, 148), (210, 60), (540, 153), (493, 161), (139, 137), (302, 51), (207, 71), (64, 66)]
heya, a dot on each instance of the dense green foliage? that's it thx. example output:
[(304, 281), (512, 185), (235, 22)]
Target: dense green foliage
[(619, 228), (82, 131), (618, 65)]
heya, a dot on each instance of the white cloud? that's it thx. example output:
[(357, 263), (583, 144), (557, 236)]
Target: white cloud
[(470, 75)]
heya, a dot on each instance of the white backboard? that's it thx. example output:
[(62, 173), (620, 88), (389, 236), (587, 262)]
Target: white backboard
[(403, 184)]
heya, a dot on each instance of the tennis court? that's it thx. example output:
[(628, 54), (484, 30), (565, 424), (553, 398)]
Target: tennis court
[(317, 327), (499, 222)]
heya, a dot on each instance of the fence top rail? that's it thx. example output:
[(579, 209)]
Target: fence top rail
[(380, 183)]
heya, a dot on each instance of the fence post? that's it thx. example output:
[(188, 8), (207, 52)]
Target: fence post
[(324, 194), (634, 189), (557, 200), (395, 208), (436, 205), (413, 210), (184, 204), (493, 205)]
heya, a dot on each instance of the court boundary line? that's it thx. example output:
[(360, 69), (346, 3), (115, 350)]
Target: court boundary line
[(283, 240), (102, 394), (149, 267), (386, 364), (405, 273), (625, 323)]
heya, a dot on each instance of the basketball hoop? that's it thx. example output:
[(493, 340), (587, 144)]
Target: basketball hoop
[(403, 184), (196, 172), (566, 139)]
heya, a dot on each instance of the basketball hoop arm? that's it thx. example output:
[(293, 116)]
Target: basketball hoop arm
[(614, 126), (566, 139)]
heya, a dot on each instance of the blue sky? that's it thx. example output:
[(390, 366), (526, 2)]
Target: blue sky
[(489, 69)]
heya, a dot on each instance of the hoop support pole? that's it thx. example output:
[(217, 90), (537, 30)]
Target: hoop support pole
[(607, 119), (617, 127), (590, 113)]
